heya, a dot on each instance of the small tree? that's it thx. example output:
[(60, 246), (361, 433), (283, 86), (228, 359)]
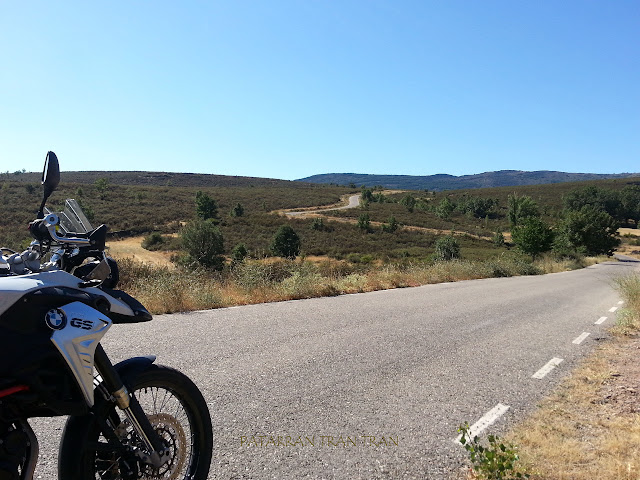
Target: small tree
[(239, 253), (498, 239), (206, 207), (364, 222), (409, 201), (391, 226), (588, 231), (447, 248), (366, 196), (445, 208), (520, 208), (532, 236), (286, 243), (88, 210), (318, 224), (601, 198), (379, 197), (102, 185), (203, 242), (237, 210), (478, 207)]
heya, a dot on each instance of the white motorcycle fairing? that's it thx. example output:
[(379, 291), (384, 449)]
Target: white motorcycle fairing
[(14, 287), (78, 330)]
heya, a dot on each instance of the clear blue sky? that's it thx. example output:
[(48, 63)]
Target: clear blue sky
[(287, 89)]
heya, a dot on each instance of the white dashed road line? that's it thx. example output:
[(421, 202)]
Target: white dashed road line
[(488, 419), (581, 338), (496, 412), (551, 364)]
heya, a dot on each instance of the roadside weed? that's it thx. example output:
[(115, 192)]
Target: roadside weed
[(495, 461)]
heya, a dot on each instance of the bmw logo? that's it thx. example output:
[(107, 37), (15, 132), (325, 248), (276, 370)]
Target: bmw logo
[(55, 319)]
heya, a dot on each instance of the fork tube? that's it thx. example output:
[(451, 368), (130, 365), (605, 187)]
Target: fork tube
[(129, 405)]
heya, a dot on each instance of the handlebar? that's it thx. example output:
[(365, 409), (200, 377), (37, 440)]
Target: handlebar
[(46, 228)]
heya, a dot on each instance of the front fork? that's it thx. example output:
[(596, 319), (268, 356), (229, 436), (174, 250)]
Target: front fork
[(158, 453)]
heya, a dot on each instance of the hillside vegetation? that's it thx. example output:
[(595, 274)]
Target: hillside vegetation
[(418, 217), (157, 179), (480, 212), (502, 178)]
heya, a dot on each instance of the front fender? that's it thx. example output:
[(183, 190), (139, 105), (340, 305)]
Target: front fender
[(130, 368)]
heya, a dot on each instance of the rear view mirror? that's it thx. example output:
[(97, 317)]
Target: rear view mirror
[(50, 179)]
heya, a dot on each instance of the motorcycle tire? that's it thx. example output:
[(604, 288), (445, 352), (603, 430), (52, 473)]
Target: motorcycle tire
[(176, 410)]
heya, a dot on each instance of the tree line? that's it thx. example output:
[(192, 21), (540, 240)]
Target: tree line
[(588, 224)]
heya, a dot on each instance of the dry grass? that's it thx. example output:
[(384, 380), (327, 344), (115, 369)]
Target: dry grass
[(629, 231), (587, 429), (629, 317), (131, 247), (590, 427), (165, 289), (552, 265), (630, 244)]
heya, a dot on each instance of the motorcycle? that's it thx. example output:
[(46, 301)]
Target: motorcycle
[(131, 420)]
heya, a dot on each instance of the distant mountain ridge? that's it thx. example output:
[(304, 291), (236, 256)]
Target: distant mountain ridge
[(502, 178)]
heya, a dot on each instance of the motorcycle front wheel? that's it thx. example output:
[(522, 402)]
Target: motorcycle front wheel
[(176, 410)]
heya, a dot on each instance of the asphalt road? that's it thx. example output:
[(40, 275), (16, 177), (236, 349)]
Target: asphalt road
[(405, 366)]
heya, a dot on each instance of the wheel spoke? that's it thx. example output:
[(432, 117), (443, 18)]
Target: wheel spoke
[(178, 414)]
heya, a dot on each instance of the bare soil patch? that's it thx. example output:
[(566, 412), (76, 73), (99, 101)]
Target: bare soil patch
[(132, 248), (629, 231)]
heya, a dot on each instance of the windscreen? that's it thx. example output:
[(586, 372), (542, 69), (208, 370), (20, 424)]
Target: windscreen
[(72, 218)]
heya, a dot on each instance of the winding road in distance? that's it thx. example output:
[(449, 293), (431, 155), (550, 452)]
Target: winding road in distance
[(373, 385), (353, 202)]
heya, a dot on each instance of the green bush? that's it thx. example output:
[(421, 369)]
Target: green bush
[(445, 208), (447, 248), (364, 222), (520, 208), (318, 224), (532, 236), (102, 185), (206, 207), (589, 231), (285, 243), (203, 242), (409, 201), (478, 207), (239, 253), (153, 242), (391, 226), (237, 210)]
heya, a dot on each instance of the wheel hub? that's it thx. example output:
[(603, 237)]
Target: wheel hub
[(174, 438)]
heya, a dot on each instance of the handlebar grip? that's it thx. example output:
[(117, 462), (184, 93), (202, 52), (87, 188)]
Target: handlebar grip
[(39, 230)]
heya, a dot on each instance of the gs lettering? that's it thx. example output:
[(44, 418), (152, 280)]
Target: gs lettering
[(84, 324)]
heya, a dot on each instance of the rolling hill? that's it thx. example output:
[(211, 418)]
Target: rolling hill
[(502, 178)]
